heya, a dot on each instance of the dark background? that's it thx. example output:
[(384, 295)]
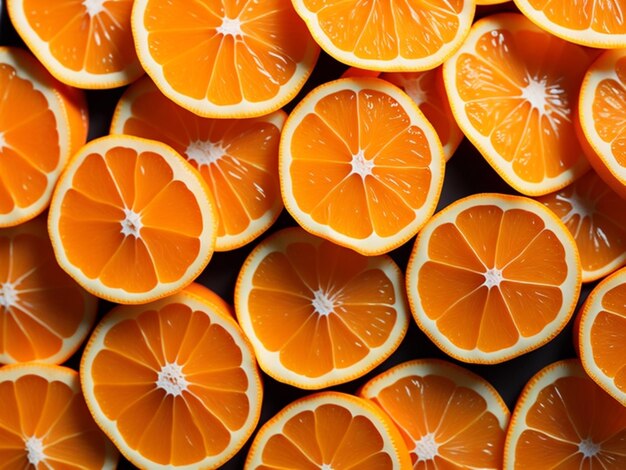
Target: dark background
[(466, 173)]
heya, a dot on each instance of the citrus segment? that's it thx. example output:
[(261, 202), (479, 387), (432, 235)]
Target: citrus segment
[(131, 220), (238, 158), (493, 276), (360, 165), (83, 43), (328, 430), (448, 416), (513, 89), (564, 420), (173, 383), (224, 58)]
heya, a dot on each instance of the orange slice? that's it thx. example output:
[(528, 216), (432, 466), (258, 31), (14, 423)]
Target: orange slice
[(360, 165), (513, 89), (492, 277), (173, 383), (83, 43), (131, 220), (602, 110), (238, 158), (428, 92), (318, 314), (388, 36), (329, 430), (45, 423), (564, 420), (593, 214), (601, 338), (224, 58), (449, 417), (33, 103), (595, 23), (44, 315)]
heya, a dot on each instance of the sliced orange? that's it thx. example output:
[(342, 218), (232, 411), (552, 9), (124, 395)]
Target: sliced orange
[(44, 422), (428, 92), (131, 220), (173, 383), (595, 23), (602, 110), (83, 43), (513, 89), (224, 58), (329, 430), (33, 103), (449, 417), (593, 213), (318, 314), (492, 277), (44, 315), (238, 158), (360, 165), (601, 335), (564, 420), (388, 36)]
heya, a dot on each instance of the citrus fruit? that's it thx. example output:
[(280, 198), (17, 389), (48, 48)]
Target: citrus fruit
[(32, 103), (131, 220), (492, 277), (173, 383), (601, 332), (44, 314), (360, 165), (44, 422), (329, 430), (83, 43), (224, 58), (428, 92), (513, 89), (388, 36), (238, 158), (449, 417), (318, 314), (564, 420), (593, 214), (595, 23), (602, 110)]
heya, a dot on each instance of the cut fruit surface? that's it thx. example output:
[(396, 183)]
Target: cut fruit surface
[(513, 89), (44, 314), (593, 213), (318, 314), (83, 43), (131, 220), (388, 36), (173, 383), (329, 430), (492, 277), (224, 58), (449, 417), (44, 422), (238, 158), (32, 102), (564, 420), (360, 165)]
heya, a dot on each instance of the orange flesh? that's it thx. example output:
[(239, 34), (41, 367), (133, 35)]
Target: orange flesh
[(311, 342), (98, 44), (151, 420), (567, 412), (257, 54), (598, 15), (92, 213), (453, 283), (371, 126)]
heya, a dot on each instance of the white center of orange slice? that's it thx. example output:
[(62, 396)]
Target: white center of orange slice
[(426, 448), (172, 380), (8, 295), (94, 7), (588, 448), (131, 224), (547, 98), (361, 165), (3, 142), (493, 277), (230, 27), (326, 466), (204, 152), (323, 303), (579, 207), (34, 450)]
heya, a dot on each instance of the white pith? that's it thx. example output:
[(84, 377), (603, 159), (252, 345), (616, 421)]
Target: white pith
[(204, 152), (172, 380), (34, 450)]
